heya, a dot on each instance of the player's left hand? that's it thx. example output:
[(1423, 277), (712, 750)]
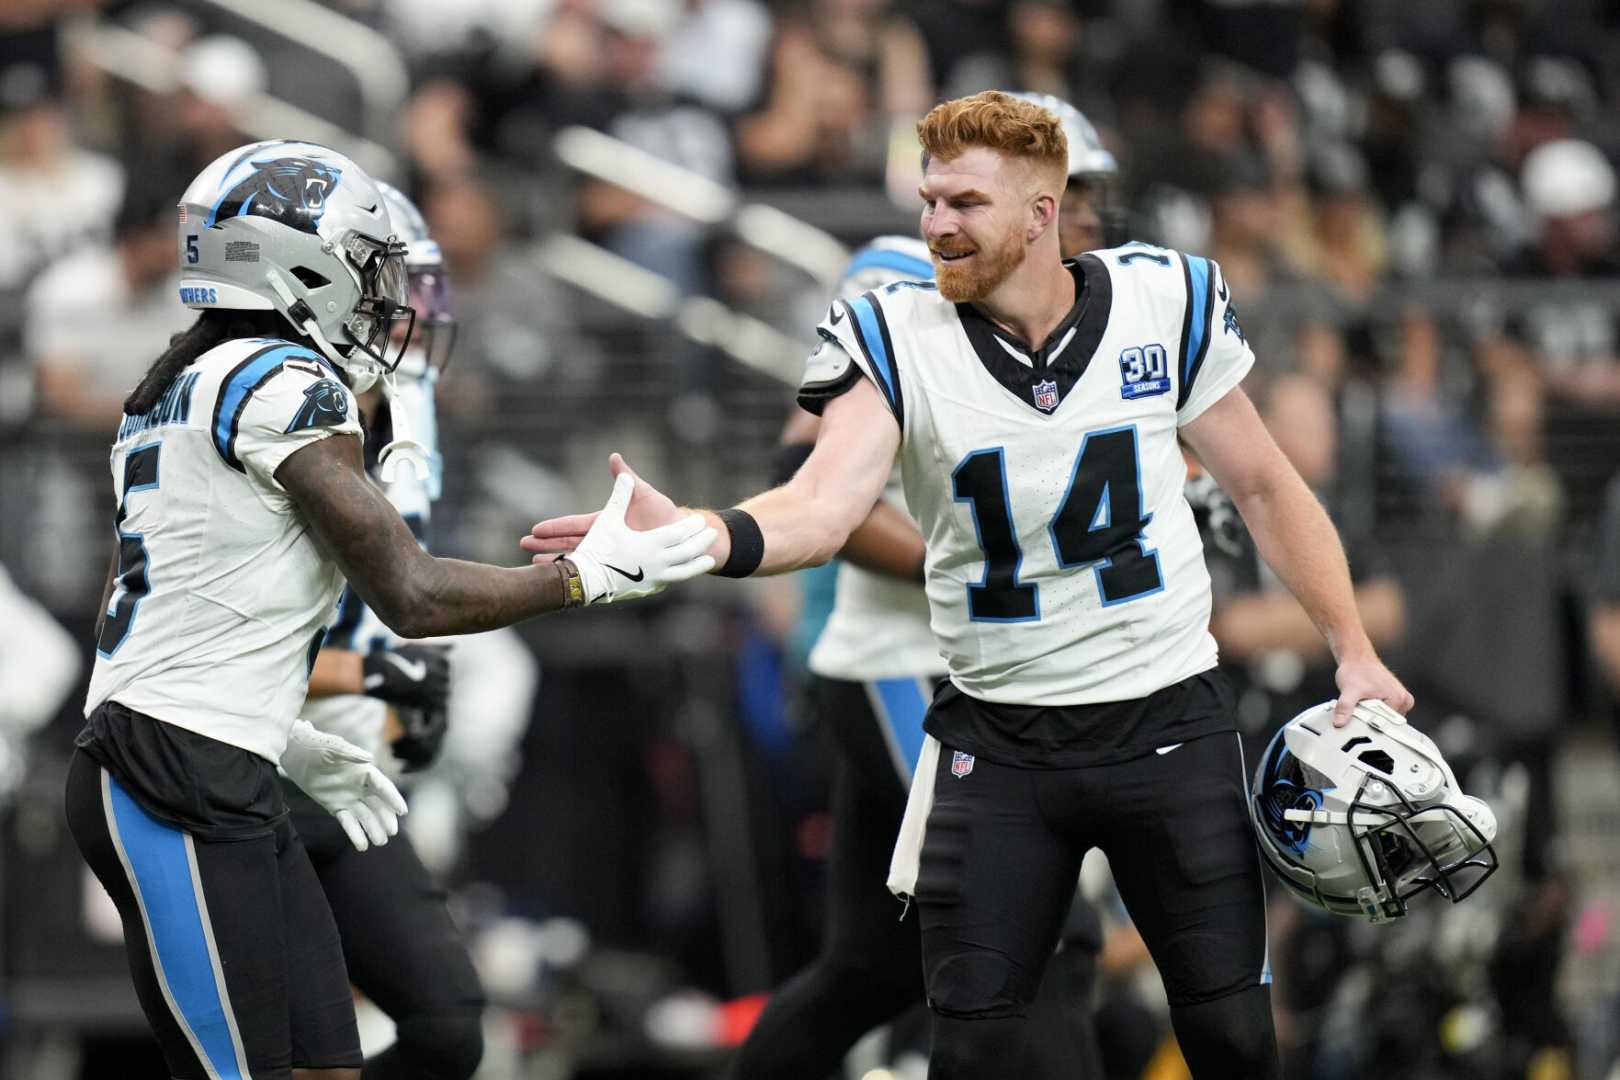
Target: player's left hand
[(649, 508), (345, 781), (409, 674), (1365, 678)]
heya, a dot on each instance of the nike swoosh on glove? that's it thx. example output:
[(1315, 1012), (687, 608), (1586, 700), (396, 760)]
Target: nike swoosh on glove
[(344, 780), (612, 555), (417, 676)]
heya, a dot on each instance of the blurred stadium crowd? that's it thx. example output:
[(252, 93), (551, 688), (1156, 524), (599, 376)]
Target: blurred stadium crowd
[(1414, 204)]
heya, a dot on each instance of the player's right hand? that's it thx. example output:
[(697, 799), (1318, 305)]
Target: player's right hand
[(648, 509), (618, 562)]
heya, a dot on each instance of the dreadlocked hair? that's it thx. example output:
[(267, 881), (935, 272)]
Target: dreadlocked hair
[(211, 328)]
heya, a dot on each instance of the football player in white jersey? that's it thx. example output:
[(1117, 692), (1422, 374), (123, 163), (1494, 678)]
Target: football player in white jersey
[(400, 946), (874, 669), (242, 506), (1037, 407)]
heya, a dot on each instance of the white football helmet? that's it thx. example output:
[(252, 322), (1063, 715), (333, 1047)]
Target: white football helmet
[(1087, 155), (1359, 819), (885, 259), (428, 283), (1091, 166), (297, 228)]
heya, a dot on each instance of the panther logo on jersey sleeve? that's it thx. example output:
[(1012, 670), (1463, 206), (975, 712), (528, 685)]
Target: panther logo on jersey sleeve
[(326, 404), (291, 190)]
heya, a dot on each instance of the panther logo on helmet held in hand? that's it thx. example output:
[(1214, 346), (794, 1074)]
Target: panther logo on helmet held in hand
[(291, 190)]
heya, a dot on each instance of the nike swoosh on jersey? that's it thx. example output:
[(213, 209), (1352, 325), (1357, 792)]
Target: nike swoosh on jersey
[(637, 576), (1163, 750), (414, 670), (837, 314)]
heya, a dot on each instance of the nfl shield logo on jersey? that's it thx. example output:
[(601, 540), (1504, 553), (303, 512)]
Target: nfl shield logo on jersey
[(1046, 399), (961, 764)]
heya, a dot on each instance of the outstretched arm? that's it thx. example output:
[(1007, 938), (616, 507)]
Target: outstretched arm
[(804, 522), (887, 542), (414, 593), (1297, 540)]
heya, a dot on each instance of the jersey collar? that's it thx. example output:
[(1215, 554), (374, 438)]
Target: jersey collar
[(1042, 377)]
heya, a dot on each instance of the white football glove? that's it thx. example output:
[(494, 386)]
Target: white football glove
[(616, 562), (341, 777)]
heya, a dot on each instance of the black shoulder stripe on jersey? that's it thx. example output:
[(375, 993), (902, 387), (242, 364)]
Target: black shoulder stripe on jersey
[(872, 334), (236, 390), (1196, 332)]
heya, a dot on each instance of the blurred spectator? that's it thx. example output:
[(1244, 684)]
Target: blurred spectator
[(1043, 58), (847, 80), (715, 54), (96, 319), (1569, 189), (1247, 237), (54, 195), (176, 135), (1262, 35), (1425, 417), (1347, 247), (93, 322), (515, 332)]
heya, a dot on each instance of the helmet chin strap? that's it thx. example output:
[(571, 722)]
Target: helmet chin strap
[(360, 381), (404, 449)]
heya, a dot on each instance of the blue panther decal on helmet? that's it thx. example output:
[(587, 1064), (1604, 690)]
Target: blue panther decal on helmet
[(291, 190)]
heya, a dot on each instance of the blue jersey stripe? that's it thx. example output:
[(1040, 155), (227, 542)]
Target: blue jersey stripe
[(239, 386), (902, 712), (1197, 298), (871, 335), (886, 259), (163, 878)]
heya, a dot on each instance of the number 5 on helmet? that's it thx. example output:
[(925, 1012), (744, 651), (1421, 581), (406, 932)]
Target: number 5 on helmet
[(1359, 819)]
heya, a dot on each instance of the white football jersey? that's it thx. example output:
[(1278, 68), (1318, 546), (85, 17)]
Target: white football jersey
[(356, 717), (1064, 566), (878, 627), (221, 597)]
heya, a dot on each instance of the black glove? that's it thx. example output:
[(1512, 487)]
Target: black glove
[(415, 676), (421, 736)]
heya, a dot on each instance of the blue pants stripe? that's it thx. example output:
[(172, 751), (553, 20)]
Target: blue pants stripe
[(162, 871), (901, 705)]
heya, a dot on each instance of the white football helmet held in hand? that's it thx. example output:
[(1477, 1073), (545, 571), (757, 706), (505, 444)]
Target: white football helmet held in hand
[(1361, 818)]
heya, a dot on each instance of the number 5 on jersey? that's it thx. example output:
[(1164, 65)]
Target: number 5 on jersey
[(132, 580), (1098, 524)]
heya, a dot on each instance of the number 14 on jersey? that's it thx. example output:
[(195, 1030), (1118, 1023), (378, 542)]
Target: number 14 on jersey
[(1098, 524)]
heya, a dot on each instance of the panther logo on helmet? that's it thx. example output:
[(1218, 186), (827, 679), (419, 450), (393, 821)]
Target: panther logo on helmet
[(1360, 819), (291, 190)]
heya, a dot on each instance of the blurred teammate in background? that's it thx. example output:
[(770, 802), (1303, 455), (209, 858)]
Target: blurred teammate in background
[(242, 506), (875, 668), (401, 947), (37, 669)]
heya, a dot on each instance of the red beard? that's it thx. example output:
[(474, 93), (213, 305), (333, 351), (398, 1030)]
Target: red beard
[(979, 276)]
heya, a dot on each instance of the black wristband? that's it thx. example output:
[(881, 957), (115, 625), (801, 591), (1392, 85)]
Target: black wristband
[(747, 543)]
